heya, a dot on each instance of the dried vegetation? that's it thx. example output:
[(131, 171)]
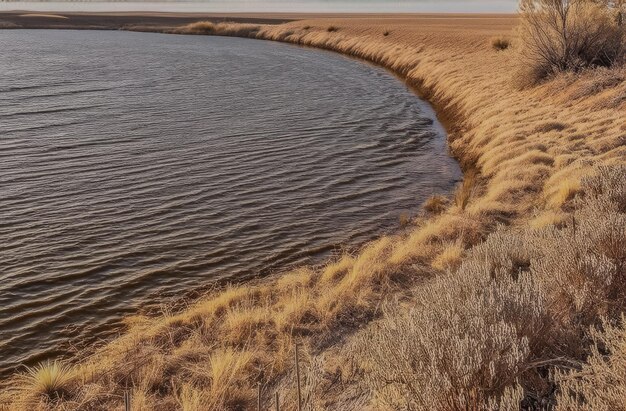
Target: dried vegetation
[(491, 299)]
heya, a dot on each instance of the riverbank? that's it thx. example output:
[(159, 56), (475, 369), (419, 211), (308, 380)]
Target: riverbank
[(525, 154)]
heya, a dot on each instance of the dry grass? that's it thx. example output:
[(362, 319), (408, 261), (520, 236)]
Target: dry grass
[(500, 43), (436, 204), (495, 304), (220, 29), (49, 380)]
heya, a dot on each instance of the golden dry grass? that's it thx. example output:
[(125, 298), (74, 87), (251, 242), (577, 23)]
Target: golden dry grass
[(525, 153)]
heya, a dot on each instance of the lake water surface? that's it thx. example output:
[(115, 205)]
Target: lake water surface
[(138, 167)]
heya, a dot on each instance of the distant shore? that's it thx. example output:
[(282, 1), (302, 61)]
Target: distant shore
[(28, 19), (119, 21)]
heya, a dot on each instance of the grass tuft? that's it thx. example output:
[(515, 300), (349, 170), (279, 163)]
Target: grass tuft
[(50, 379), (436, 204)]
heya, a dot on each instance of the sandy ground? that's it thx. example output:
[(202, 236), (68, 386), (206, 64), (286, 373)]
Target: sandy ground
[(114, 21)]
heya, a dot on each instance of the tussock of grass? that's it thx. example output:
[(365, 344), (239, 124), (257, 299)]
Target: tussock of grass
[(51, 380), (500, 43)]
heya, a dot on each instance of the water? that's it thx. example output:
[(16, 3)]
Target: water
[(137, 167)]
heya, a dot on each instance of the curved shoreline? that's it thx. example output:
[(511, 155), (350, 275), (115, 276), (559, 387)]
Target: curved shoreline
[(344, 239), (446, 114)]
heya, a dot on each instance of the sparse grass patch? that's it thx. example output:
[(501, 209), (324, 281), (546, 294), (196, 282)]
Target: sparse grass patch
[(564, 192)]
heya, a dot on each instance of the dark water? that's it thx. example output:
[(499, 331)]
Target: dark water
[(137, 167)]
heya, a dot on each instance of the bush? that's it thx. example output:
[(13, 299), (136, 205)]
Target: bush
[(569, 35), (500, 43), (601, 383), (516, 313), (464, 346)]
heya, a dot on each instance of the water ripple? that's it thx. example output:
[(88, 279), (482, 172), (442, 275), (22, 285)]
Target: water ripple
[(139, 167)]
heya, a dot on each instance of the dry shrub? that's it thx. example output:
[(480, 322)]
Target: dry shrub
[(332, 29), (500, 43), (568, 35), (606, 190), (463, 345), (600, 385), (516, 310)]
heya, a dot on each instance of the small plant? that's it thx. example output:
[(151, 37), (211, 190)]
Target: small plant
[(405, 219), (386, 33), (465, 190), (500, 43), (332, 29), (50, 379), (436, 204)]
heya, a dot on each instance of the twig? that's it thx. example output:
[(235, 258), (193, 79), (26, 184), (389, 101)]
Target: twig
[(298, 378)]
